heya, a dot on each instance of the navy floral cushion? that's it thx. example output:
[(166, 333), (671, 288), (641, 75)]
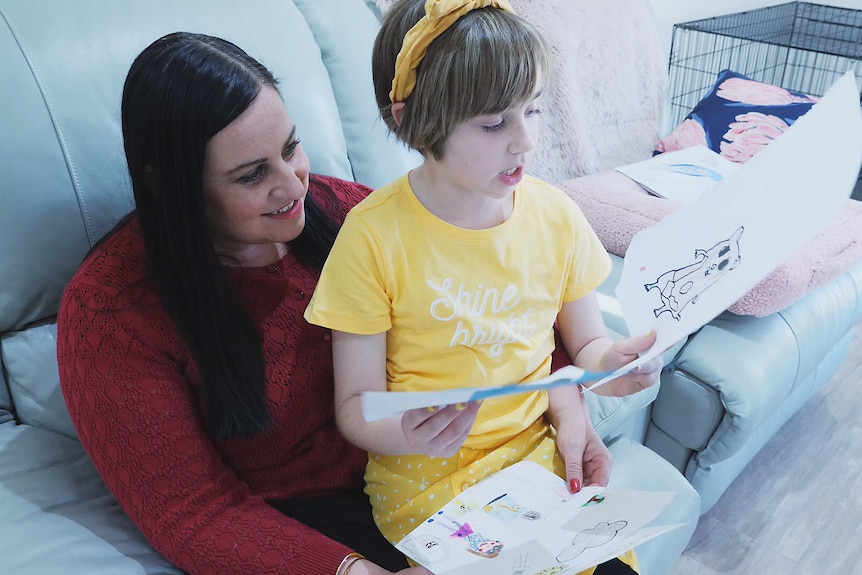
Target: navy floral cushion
[(738, 117)]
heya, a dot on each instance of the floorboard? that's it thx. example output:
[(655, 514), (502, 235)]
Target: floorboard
[(796, 509)]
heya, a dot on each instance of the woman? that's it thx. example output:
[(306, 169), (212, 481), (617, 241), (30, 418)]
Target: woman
[(202, 396)]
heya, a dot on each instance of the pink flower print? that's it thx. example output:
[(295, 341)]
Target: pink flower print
[(689, 133), (749, 134), (757, 93)]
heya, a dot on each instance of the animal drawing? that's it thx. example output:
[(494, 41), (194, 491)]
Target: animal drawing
[(683, 286)]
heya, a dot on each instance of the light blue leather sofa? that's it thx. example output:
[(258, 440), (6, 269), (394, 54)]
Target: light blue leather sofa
[(62, 186)]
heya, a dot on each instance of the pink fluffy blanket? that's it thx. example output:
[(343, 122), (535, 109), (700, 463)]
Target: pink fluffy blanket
[(618, 208)]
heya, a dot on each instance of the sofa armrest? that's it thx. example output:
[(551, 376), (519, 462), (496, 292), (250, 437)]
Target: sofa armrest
[(736, 371)]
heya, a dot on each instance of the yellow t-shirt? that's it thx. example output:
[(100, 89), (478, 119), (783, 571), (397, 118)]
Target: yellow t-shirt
[(460, 308)]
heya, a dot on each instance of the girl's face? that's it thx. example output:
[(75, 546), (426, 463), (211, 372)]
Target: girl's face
[(487, 155), (255, 180)]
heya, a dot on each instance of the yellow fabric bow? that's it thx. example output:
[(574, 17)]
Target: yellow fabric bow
[(439, 15)]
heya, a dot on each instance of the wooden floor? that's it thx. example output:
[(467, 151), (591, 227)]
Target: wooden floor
[(797, 508)]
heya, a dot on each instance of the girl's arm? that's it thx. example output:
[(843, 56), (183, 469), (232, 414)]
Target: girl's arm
[(586, 340), (568, 415), (359, 362)]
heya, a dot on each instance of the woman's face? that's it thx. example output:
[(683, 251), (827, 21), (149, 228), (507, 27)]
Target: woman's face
[(255, 180)]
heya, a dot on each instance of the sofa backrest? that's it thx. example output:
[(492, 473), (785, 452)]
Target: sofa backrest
[(63, 181)]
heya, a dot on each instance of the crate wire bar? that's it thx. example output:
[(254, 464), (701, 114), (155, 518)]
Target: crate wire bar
[(799, 46)]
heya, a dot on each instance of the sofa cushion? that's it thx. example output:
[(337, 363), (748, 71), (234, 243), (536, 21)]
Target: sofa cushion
[(34, 383), (738, 117), (5, 401), (65, 519), (610, 414)]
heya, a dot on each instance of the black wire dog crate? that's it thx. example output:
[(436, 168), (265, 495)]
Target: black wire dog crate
[(799, 46)]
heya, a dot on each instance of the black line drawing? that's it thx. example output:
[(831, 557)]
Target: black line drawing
[(520, 564), (682, 286), (427, 548), (601, 534)]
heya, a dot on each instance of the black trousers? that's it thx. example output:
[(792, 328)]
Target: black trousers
[(346, 518), (614, 567)]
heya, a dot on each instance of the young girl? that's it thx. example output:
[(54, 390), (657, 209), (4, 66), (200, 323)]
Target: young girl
[(455, 274)]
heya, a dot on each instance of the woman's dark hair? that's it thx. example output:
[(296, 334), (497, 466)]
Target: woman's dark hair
[(181, 91)]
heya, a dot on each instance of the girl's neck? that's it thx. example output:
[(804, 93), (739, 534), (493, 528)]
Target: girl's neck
[(454, 205)]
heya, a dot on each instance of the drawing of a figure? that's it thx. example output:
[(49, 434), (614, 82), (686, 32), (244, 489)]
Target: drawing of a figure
[(682, 286), (601, 534), (462, 508), (427, 548), (503, 508), (477, 544)]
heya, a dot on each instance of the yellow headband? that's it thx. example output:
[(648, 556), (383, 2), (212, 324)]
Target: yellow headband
[(439, 15)]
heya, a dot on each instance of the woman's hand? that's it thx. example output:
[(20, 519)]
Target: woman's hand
[(439, 431), (624, 351)]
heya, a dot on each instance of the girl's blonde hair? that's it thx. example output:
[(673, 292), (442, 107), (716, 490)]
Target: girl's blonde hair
[(486, 62)]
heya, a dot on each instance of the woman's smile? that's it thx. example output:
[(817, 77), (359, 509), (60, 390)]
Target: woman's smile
[(287, 212)]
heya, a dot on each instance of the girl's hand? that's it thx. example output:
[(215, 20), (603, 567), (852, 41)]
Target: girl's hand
[(587, 459), (439, 431), (571, 444), (624, 351), (598, 461)]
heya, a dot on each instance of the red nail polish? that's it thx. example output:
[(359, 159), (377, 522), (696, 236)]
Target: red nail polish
[(574, 485)]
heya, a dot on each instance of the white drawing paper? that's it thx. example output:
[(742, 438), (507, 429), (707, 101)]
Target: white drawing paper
[(682, 174), (695, 263), (381, 404), (523, 520)]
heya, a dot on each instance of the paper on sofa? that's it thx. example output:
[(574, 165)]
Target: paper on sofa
[(682, 175)]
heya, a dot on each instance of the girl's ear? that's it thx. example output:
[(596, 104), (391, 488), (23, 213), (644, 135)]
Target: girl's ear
[(397, 110)]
